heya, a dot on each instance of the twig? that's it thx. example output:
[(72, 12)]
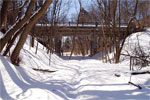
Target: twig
[(135, 85)]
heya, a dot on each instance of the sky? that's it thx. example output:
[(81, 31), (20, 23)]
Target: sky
[(74, 9), (75, 6)]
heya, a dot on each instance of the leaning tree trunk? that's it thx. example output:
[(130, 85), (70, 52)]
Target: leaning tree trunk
[(34, 18), (12, 41), (16, 26), (119, 48), (4, 14)]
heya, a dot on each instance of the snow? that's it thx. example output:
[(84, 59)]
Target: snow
[(1, 34), (132, 41), (87, 79)]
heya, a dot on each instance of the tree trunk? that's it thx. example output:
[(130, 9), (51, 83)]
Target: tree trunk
[(32, 40), (12, 41), (4, 14), (37, 44), (16, 26), (73, 42), (119, 48), (73, 46), (34, 18)]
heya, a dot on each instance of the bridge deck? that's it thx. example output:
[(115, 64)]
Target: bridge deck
[(75, 29)]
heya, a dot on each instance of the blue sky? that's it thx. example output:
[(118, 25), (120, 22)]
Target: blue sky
[(75, 6)]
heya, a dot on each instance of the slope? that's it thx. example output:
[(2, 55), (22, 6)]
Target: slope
[(73, 80)]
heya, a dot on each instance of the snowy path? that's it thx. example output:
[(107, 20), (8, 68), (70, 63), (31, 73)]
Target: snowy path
[(94, 80), (74, 80)]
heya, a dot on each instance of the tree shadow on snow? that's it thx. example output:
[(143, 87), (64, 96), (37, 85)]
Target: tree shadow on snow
[(58, 87), (3, 93), (134, 94), (64, 89), (77, 57)]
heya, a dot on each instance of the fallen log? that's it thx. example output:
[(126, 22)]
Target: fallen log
[(117, 75), (43, 70), (138, 86), (137, 73)]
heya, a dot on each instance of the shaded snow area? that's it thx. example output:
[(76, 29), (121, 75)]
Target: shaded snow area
[(73, 80), (1, 34)]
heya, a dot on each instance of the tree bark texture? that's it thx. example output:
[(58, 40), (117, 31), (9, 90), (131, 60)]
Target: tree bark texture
[(4, 14), (12, 41), (34, 18), (16, 26)]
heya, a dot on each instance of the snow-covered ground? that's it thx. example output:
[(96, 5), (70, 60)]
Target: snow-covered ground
[(86, 79)]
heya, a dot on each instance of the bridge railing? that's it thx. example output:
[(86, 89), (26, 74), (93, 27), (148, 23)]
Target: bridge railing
[(83, 24), (90, 24)]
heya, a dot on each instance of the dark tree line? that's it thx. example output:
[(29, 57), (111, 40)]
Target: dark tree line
[(24, 21)]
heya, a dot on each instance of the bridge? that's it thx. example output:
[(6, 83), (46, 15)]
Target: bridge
[(70, 29), (90, 35)]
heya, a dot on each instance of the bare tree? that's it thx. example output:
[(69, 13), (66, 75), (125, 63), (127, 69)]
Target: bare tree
[(111, 18), (16, 26), (10, 42), (33, 19)]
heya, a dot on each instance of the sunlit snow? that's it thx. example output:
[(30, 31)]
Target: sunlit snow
[(87, 79)]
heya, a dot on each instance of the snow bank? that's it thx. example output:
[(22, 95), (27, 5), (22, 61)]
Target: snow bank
[(141, 38), (73, 80), (39, 60), (22, 82)]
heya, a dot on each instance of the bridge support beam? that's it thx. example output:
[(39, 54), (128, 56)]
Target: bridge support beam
[(58, 42)]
